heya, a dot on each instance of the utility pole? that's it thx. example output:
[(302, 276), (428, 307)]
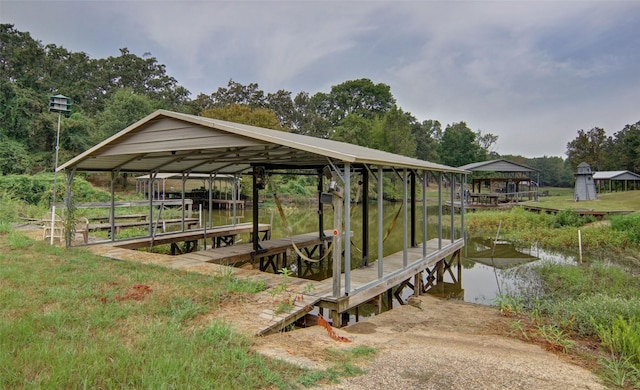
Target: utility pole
[(60, 104)]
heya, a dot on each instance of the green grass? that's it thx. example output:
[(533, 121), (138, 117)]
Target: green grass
[(556, 232), (572, 303), (70, 319), (562, 198), (345, 365)]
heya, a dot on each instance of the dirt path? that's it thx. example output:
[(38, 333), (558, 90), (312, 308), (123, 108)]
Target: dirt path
[(443, 344)]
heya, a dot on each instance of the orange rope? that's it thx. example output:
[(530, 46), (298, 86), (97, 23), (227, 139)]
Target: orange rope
[(322, 322)]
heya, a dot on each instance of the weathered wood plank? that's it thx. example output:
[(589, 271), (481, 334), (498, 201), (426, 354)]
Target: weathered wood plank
[(196, 234)]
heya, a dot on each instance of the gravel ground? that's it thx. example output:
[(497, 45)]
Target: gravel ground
[(442, 344)]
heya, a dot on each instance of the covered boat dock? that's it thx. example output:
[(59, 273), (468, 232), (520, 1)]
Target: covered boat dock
[(501, 181), (170, 142)]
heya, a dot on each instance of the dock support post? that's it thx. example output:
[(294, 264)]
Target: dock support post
[(184, 188), (459, 266), (68, 238), (452, 182), (417, 284), (337, 240), (320, 209), (439, 210), (347, 228), (425, 179), (256, 194), (365, 218), (380, 222), (335, 318), (440, 271), (412, 177), (405, 221), (112, 208)]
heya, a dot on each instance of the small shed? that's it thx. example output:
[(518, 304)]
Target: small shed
[(616, 180), (585, 188), (501, 180)]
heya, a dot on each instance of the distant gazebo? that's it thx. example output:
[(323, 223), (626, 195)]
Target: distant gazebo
[(502, 181), (616, 181), (585, 188)]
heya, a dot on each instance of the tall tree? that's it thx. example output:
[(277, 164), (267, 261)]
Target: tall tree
[(75, 74), (554, 172), (624, 149), (282, 105), (356, 130), (307, 120), (123, 109), (426, 135), (144, 76), (235, 93), (458, 146), (487, 142), (21, 58), (361, 97), (14, 158), (260, 117), (394, 133), (588, 146), (77, 136)]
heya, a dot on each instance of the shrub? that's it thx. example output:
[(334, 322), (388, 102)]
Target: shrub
[(36, 189), (586, 314), (31, 189), (569, 217), (629, 224), (622, 338)]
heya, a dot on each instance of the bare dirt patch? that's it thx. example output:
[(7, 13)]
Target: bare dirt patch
[(442, 344)]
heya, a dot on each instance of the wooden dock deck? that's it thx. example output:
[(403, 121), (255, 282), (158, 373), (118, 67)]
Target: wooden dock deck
[(220, 236), (598, 214), (274, 252), (365, 283)]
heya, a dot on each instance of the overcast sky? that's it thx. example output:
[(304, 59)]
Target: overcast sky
[(531, 72)]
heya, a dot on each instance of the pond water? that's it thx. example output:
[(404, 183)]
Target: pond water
[(487, 271), (485, 278)]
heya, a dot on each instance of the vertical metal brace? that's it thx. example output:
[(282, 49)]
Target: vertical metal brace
[(453, 209), (424, 214), (405, 219), (337, 240), (380, 222), (439, 210), (69, 206), (347, 228)]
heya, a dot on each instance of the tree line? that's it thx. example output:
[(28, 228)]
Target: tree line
[(109, 94)]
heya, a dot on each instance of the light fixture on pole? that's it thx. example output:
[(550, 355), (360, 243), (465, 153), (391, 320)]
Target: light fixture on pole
[(60, 104)]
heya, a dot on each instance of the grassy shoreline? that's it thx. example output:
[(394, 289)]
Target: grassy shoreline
[(587, 310), (73, 319)]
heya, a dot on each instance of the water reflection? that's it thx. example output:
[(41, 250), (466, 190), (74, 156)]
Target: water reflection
[(485, 277)]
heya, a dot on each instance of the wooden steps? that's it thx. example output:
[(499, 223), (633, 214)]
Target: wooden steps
[(278, 322)]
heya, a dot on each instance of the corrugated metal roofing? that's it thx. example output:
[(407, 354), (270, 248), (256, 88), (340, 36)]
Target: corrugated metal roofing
[(616, 175), (498, 166), (172, 142)]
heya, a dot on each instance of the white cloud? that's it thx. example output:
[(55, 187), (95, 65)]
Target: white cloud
[(531, 72)]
